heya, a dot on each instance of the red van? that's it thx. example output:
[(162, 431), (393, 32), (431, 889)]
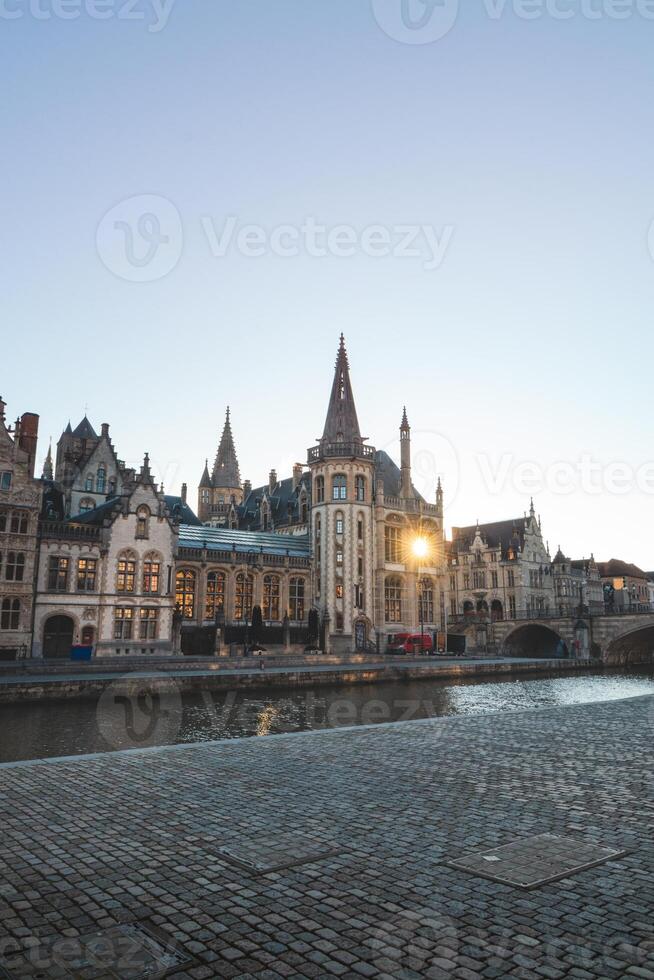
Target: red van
[(408, 644)]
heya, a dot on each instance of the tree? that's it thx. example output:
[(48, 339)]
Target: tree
[(257, 624)]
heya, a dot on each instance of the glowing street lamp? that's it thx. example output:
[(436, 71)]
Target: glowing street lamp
[(420, 548)]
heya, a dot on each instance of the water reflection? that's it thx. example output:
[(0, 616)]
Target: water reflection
[(29, 731)]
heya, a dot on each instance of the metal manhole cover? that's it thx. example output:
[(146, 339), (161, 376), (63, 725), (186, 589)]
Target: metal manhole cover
[(123, 952), (535, 861), (276, 852)]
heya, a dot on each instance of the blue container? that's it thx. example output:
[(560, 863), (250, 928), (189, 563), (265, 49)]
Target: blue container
[(79, 652)]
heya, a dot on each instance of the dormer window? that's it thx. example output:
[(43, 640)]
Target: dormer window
[(102, 479), (88, 485)]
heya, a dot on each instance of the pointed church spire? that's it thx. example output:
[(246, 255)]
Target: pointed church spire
[(48, 473), (206, 479), (226, 471), (342, 424)]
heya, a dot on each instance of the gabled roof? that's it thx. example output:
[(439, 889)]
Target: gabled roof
[(283, 500), (389, 473), (496, 534), (84, 430), (181, 512), (244, 542), (99, 514), (341, 424)]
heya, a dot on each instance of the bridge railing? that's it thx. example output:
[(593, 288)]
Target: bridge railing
[(561, 612)]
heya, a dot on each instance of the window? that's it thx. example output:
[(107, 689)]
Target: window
[(393, 600), (102, 479), (123, 623), (86, 504), (185, 593), (19, 522), (512, 606), (340, 525), (126, 577), (296, 596), (339, 557), (4, 517), (479, 580), (271, 593), (358, 597), (360, 488), (148, 624), (151, 576), (10, 614), (360, 566), (215, 600), (243, 597), (15, 567), (360, 529), (339, 590), (86, 574), (494, 580), (304, 510), (339, 487), (88, 484), (5, 480), (453, 607), (452, 583), (392, 545), (320, 489), (88, 636), (57, 574), (339, 621), (426, 603), (112, 486), (466, 580), (142, 522), (510, 578)]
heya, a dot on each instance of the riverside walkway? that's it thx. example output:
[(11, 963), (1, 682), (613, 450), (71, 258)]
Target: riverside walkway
[(333, 854)]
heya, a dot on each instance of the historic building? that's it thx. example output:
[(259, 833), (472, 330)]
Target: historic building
[(577, 586), (500, 570), (87, 468), (20, 502), (106, 576), (626, 586)]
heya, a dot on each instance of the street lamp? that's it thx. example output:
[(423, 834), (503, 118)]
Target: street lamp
[(420, 548)]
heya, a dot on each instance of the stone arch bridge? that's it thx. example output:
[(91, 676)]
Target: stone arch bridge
[(614, 639)]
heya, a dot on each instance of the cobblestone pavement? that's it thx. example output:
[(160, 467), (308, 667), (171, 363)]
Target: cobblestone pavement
[(183, 840)]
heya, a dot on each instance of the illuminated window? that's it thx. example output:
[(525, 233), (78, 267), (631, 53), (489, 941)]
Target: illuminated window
[(392, 544), (185, 593), (215, 602), (339, 590), (426, 604), (126, 577), (86, 574), (57, 574), (339, 557), (123, 623), (271, 594), (151, 576), (148, 624)]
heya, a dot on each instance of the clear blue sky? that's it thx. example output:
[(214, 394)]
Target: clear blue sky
[(531, 342)]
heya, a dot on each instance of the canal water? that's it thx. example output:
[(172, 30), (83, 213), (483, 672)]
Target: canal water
[(48, 729)]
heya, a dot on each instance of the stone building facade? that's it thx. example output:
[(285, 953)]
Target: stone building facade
[(20, 503)]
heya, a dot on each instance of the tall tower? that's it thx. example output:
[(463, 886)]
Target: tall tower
[(405, 451), (342, 471), (221, 488)]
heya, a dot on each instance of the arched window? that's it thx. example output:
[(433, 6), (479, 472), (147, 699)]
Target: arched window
[(15, 567), (86, 504), (304, 509), (296, 600), (265, 517), (151, 574), (360, 488), (339, 487), (88, 483), (102, 479), (320, 489), (340, 523), (392, 544), (142, 522), (393, 600), (126, 572), (271, 594), (360, 529), (10, 614), (185, 592), (19, 522), (88, 636), (426, 603), (243, 597), (215, 601), (4, 519)]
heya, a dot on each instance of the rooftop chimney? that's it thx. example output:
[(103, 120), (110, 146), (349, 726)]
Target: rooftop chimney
[(104, 428), (184, 492), (297, 475), (272, 480)]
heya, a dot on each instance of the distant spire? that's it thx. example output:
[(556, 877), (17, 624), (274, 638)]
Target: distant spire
[(146, 475), (405, 427), (48, 472), (226, 471), (532, 509), (342, 424), (206, 479)]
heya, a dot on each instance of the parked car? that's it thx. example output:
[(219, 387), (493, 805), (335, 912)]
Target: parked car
[(409, 644)]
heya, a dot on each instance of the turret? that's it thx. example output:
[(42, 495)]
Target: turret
[(405, 456)]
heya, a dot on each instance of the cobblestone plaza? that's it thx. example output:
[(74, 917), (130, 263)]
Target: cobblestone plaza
[(331, 854)]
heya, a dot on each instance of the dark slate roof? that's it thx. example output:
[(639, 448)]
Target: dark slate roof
[(85, 430), (181, 512), (616, 567), (284, 503), (224, 539), (559, 559), (225, 469), (99, 514), (52, 506), (341, 424), (389, 472), (499, 533)]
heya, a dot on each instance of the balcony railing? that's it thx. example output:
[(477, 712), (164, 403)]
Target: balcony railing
[(341, 450), (62, 529)]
